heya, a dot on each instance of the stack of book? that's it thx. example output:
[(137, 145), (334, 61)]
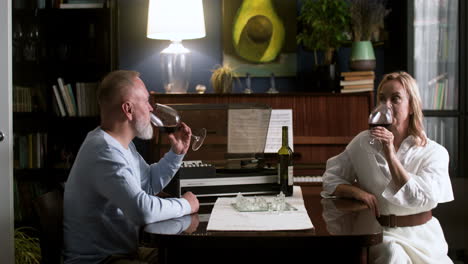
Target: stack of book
[(29, 150), (22, 99), (28, 99), (80, 101), (436, 95), (357, 81)]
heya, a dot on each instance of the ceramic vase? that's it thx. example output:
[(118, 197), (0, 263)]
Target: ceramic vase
[(362, 56)]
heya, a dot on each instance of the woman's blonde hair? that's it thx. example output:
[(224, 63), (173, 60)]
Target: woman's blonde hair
[(416, 127)]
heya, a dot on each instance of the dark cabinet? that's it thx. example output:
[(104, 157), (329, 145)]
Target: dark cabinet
[(77, 45)]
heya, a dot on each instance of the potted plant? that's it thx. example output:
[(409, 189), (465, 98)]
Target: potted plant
[(27, 249), (222, 79), (323, 24), (367, 18), (322, 27)]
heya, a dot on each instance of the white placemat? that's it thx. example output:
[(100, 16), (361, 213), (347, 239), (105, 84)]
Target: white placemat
[(225, 218)]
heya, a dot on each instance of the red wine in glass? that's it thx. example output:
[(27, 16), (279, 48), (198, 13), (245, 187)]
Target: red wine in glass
[(387, 126), (168, 129), (167, 120), (381, 116)]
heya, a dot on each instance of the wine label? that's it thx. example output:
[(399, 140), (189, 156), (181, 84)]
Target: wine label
[(290, 175)]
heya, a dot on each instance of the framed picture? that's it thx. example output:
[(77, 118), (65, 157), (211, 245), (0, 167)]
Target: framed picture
[(259, 37)]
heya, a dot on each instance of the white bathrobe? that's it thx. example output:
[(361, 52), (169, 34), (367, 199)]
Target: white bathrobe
[(429, 185)]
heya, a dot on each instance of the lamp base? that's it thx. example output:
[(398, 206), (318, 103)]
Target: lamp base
[(176, 68)]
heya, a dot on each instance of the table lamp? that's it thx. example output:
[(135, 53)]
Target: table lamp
[(175, 20)]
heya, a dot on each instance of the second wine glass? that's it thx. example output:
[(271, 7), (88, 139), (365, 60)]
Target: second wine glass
[(167, 120), (382, 115)]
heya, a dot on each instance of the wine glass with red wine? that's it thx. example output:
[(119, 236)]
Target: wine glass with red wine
[(167, 120), (382, 115)]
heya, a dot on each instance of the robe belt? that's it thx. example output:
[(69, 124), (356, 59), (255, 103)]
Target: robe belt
[(405, 220)]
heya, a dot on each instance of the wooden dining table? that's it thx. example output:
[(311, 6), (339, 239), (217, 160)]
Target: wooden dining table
[(344, 229)]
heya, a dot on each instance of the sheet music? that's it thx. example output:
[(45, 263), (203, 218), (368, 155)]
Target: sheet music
[(247, 129), (278, 119)]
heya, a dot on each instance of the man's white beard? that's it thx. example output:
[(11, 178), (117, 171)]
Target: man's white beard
[(144, 130)]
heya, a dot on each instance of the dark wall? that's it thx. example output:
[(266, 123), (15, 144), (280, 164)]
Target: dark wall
[(137, 52), (396, 47)]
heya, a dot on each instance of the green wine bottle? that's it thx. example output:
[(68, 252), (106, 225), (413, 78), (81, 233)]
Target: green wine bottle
[(285, 165)]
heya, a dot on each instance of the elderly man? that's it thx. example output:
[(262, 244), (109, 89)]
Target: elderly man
[(108, 194)]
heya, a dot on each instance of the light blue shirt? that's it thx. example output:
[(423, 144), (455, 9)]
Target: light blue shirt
[(108, 198)]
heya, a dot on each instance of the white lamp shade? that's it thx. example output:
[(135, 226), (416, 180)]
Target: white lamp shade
[(175, 19)]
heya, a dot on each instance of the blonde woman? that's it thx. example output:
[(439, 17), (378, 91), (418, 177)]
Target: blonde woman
[(402, 183)]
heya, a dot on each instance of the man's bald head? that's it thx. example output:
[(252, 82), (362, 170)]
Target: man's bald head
[(115, 88)]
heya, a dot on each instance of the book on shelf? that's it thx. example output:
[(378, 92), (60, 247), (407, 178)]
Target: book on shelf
[(436, 96), (360, 86), (359, 77), (30, 150), (82, 5), (36, 158), (80, 101), (28, 99), (22, 99), (358, 73), (72, 98), (59, 101), (357, 82), (86, 99), (439, 94), (66, 97)]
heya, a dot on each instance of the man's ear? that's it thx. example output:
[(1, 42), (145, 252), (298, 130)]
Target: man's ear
[(127, 109)]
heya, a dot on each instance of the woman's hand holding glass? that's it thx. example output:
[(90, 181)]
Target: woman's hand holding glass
[(380, 120), (386, 139)]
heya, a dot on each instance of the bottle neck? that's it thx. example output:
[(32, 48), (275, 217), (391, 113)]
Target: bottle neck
[(285, 136)]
